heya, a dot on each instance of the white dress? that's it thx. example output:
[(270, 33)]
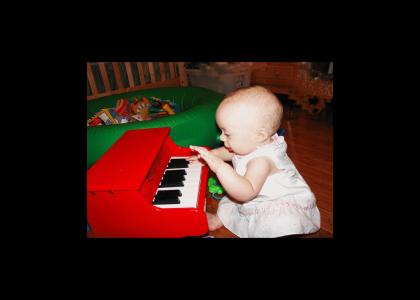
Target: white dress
[(284, 206)]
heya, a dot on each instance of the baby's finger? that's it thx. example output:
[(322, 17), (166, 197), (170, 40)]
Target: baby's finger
[(204, 158), (192, 158), (197, 149)]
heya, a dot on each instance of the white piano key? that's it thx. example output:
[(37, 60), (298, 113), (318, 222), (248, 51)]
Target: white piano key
[(190, 189)]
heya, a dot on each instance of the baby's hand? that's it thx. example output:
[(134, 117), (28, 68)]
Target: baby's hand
[(212, 160), (193, 158)]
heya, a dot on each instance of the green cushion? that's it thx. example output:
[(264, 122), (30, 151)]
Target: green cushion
[(194, 125)]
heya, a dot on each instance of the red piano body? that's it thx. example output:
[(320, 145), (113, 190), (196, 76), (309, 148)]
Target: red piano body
[(122, 184)]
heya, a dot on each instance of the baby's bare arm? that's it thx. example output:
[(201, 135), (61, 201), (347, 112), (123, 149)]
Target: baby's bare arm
[(247, 187), (241, 188), (220, 152)]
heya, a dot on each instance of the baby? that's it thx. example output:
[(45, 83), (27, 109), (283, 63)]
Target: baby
[(266, 195)]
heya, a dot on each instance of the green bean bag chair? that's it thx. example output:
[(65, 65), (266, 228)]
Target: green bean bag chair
[(194, 125)]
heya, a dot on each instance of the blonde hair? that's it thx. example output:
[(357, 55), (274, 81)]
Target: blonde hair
[(260, 101)]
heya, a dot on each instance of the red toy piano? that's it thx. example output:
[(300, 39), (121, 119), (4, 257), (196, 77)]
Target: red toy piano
[(143, 187)]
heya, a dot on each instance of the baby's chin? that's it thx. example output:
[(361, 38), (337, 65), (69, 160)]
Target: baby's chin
[(242, 153)]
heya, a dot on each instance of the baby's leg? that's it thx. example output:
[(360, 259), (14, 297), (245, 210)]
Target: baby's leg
[(213, 221)]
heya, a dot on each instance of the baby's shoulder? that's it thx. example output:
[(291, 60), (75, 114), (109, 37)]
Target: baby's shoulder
[(262, 162)]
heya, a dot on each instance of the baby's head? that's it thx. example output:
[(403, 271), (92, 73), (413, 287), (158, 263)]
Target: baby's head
[(248, 118)]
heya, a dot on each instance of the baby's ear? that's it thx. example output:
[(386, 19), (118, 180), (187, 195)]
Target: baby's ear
[(262, 134)]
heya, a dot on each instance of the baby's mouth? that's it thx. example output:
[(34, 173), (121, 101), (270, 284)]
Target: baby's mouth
[(229, 149)]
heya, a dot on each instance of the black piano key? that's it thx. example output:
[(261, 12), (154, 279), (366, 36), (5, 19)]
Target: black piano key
[(169, 183), (167, 201), (175, 172), (167, 197), (168, 193), (173, 177), (178, 163)]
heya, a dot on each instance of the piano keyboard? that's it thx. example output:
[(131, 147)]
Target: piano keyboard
[(179, 184)]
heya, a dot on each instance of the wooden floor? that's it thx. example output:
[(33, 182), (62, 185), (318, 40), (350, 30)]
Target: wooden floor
[(310, 146)]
